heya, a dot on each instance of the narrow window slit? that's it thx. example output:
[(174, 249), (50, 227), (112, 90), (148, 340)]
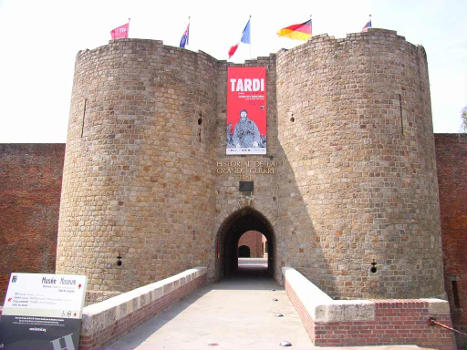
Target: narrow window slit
[(84, 116), (400, 113)]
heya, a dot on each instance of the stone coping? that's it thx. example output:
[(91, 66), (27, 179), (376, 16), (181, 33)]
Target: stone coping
[(322, 308), (100, 315)]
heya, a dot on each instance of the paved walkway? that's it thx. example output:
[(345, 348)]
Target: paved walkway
[(236, 313)]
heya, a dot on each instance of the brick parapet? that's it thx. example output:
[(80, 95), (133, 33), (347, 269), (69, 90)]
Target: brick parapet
[(367, 322), (105, 322)]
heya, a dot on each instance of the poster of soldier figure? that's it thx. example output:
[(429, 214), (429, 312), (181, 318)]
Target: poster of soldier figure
[(246, 110)]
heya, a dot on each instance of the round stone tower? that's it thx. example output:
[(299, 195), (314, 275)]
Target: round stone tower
[(135, 195), (360, 186)]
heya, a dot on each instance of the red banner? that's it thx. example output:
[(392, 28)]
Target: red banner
[(120, 32), (246, 110)]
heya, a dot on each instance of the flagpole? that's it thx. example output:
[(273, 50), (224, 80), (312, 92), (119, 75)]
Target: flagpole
[(311, 26), (249, 20)]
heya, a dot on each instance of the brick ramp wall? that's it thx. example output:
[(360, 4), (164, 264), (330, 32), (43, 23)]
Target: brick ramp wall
[(367, 322), (107, 321)]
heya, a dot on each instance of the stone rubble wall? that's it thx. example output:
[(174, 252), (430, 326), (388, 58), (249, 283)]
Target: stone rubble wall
[(350, 143), (135, 183), (359, 176)]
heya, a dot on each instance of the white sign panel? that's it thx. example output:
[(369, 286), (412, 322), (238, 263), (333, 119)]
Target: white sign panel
[(42, 312), (47, 295)]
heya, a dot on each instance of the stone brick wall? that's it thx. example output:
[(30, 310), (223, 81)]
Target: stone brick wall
[(451, 160), (359, 177), (349, 138), (30, 185), (230, 202), (135, 182)]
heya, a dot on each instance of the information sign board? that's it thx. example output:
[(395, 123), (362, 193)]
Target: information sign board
[(42, 311)]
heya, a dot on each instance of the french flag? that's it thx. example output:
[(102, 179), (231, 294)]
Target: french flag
[(245, 39)]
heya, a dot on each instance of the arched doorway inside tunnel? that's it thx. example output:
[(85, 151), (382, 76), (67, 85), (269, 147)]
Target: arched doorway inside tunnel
[(244, 251), (228, 248), (254, 241)]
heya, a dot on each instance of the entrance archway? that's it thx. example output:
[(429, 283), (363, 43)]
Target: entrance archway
[(243, 220)]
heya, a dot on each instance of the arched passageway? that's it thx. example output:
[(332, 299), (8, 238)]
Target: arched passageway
[(228, 236), (255, 241), (244, 251)]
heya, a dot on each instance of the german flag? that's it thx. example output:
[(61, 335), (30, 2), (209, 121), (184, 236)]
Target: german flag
[(297, 31)]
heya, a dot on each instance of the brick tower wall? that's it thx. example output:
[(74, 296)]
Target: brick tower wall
[(359, 178), (141, 123)]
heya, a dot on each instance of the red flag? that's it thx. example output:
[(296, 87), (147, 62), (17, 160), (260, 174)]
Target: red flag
[(120, 32), (232, 50)]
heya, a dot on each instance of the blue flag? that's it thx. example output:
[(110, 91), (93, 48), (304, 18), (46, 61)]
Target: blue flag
[(246, 34), (185, 37)]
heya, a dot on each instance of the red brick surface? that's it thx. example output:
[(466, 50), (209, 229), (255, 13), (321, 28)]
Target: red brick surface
[(120, 327), (307, 321), (30, 185), (395, 322), (451, 159)]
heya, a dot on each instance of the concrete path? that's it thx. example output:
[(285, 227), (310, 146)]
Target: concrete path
[(235, 313)]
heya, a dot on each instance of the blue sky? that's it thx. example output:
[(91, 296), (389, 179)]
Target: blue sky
[(40, 40)]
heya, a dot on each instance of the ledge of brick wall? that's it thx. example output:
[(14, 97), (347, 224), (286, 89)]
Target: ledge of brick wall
[(105, 322), (367, 322)]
